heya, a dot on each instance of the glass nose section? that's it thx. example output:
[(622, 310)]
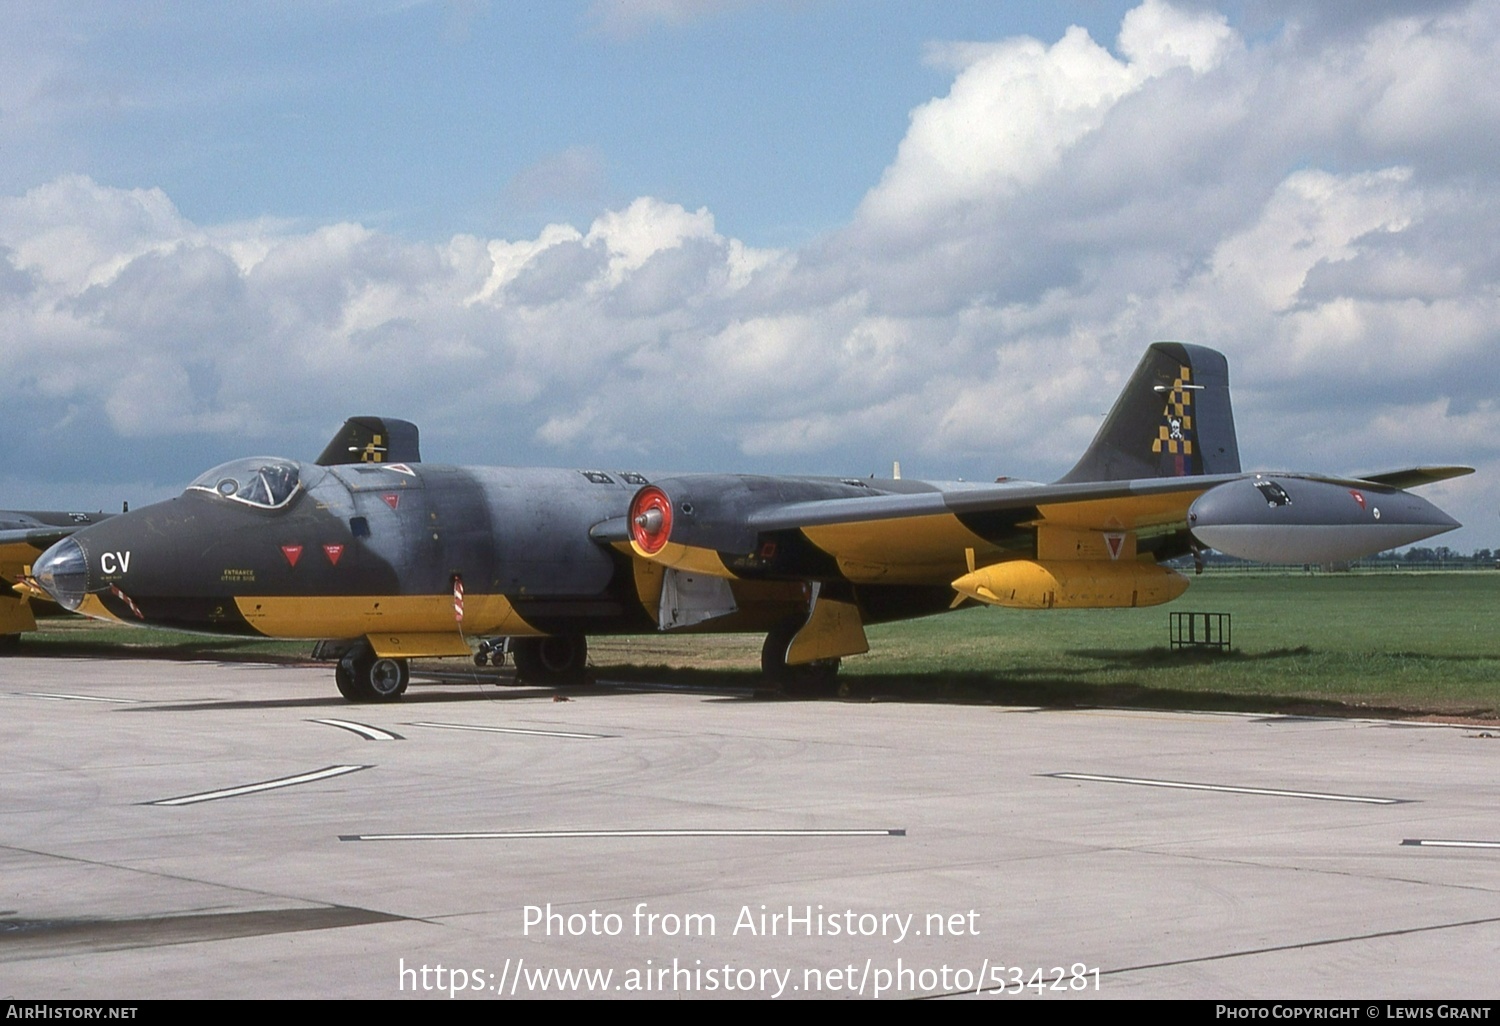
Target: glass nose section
[(63, 573)]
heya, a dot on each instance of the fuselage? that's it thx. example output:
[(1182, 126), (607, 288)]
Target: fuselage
[(287, 549)]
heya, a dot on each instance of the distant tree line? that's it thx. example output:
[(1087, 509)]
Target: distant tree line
[(1416, 557), (1438, 554)]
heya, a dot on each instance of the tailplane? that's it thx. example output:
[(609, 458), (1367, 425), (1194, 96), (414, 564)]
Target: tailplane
[(1172, 420)]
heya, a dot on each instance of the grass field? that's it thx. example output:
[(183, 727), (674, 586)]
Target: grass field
[(1373, 644), (1338, 643)]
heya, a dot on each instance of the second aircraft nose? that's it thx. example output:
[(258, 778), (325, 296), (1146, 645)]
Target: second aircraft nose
[(63, 572)]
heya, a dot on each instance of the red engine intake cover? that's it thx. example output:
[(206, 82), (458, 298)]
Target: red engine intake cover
[(650, 519)]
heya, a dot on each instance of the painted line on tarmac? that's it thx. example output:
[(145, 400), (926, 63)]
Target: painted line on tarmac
[(364, 730), (1430, 842), (528, 835), (1183, 785), (264, 785), (1303, 945), (515, 730), (59, 697)]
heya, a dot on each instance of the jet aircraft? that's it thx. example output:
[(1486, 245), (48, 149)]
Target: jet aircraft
[(393, 558), (23, 536)]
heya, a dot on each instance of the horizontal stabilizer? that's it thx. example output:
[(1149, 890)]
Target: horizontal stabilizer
[(1415, 477)]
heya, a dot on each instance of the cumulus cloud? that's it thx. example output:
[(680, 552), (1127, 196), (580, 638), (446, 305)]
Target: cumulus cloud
[(1017, 107), (1317, 204)]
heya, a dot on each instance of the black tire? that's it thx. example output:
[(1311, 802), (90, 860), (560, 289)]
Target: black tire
[(362, 676), (809, 680), (560, 660), (10, 644), (343, 676)]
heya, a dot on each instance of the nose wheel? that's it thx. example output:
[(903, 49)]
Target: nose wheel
[(362, 676)]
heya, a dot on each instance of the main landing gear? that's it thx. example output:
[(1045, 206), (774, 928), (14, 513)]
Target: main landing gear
[(362, 676), (559, 660), (809, 680)]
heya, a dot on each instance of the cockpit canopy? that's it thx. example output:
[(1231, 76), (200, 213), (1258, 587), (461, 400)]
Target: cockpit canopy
[(264, 482)]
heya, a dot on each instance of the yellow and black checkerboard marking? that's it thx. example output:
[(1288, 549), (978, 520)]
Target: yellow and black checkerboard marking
[(374, 452), (1179, 408)]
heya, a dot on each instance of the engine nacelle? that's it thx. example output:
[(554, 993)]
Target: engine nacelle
[(1072, 584), (1287, 519), (696, 523)]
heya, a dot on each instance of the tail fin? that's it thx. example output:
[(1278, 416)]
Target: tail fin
[(373, 440), (1172, 420)]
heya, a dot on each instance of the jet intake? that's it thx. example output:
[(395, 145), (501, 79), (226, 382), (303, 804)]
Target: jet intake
[(1282, 518), (1072, 584), (650, 520)]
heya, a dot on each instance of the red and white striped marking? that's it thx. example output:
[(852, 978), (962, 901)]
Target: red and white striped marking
[(114, 590)]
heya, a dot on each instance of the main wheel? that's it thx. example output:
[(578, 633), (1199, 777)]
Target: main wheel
[(387, 679), (560, 660), (343, 676), (362, 676), (808, 680)]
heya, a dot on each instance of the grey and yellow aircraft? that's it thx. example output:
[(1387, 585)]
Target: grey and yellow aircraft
[(23, 536), (393, 558)]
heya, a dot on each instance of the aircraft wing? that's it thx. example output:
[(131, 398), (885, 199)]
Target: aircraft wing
[(34, 537), (1131, 502), (38, 530)]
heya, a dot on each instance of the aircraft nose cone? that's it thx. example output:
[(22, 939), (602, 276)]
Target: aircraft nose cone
[(63, 572)]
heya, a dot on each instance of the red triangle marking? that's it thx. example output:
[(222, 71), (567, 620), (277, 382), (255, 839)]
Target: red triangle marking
[(392, 499), (292, 553), (333, 552)]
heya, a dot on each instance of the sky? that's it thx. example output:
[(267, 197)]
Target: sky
[(769, 236)]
